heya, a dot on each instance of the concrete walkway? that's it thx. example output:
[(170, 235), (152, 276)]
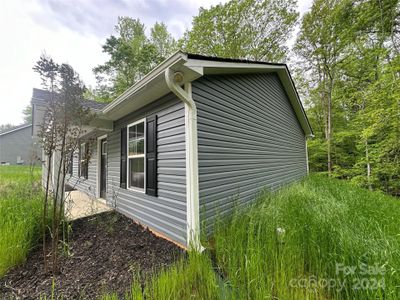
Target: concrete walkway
[(79, 205)]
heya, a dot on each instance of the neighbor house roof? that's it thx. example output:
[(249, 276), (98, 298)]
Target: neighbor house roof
[(194, 66), (39, 96), (16, 128)]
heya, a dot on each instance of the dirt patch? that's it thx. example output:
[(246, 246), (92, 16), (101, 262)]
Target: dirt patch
[(106, 251)]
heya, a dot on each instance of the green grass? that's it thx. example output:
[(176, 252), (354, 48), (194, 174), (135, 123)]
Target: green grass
[(188, 278), (20, 214), (327, 224)]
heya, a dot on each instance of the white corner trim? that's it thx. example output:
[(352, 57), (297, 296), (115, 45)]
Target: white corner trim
[(192, 161), (98, 165)]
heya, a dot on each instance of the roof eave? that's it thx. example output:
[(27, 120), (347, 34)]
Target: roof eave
[(209, 66), (136, 88)]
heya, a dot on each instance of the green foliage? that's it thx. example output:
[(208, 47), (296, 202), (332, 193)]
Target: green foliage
[(20, 214), (256, 29), (27, 112), (349, 60), (132, 55), (191, 278), (325, 222)]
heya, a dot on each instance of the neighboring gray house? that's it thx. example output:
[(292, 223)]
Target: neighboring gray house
[(194, 137), (17, 147)]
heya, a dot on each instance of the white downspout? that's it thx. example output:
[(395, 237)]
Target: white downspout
[(192, 173), (308, 166)]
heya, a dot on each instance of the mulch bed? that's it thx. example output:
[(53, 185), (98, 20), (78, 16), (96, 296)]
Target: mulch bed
[(107, 250)]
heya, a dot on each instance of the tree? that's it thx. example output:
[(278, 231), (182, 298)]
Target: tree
[(59, 134), (162, 40), (355, 44), (27, 112), (6, 127), (320, 46), (132, 55), (251, 29)]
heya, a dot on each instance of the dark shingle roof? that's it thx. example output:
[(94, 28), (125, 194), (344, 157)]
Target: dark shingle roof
[(43, 95), (235, 60)]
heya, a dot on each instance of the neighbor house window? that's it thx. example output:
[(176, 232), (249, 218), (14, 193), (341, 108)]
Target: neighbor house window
[(136, 155), (84, 160)]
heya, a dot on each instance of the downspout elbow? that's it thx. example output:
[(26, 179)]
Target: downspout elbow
[(173, 79)]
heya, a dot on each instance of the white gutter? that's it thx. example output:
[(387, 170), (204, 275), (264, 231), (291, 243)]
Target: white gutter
[(192, 173)]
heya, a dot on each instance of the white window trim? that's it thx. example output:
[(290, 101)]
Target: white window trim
[(136, 156)]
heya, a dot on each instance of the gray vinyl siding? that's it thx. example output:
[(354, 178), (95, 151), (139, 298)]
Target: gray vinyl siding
[(166, 213), (19, 143), (249, 139), (82, 184)]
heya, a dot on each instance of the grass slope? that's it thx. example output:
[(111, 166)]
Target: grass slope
[(316, 239), (329, 228), (20, 214)]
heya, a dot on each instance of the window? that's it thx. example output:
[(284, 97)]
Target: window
[(84, 160), (136, 155)]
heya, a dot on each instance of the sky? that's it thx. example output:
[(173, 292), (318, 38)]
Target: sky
[(73, 31)]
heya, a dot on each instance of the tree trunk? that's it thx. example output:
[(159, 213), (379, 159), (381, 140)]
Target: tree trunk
[(328, 139), (368, 165), (57, 203), (329, 127), (45, 206)]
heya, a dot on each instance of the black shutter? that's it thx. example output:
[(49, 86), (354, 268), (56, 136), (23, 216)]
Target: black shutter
[(151, 155), (122, 169)]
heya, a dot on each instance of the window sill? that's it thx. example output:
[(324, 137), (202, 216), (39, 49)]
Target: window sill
[(142, 191)]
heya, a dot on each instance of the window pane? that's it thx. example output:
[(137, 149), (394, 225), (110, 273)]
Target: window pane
[(140, 130), (136, 139), (140, 146), (132, 140), (136, 172), (132, 147)]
